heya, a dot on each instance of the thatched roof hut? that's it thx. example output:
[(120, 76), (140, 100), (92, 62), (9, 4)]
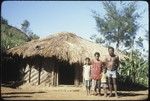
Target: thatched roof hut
[(65, 46), (60, 47)]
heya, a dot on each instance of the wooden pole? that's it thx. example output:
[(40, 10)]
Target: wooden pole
[(57, 76), (52, 75), (39, 75), (30, 73), (76, 81)]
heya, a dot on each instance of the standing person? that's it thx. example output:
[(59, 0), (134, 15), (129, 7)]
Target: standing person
[(86, 75), (104, 81), (96, 70), (112, 63)]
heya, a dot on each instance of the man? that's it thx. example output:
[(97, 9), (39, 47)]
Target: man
[(112, 63)]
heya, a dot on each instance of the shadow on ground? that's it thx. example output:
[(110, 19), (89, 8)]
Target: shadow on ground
[(23, 92), (131, 87), (128, 94), (12, 84), (14, 96)]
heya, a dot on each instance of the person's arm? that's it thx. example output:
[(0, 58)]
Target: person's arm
[(105, 62), (101, 66), (90, 71)]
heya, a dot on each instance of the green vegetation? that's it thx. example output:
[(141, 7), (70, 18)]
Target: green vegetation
[(119, 25), (11, 36), (134, 69)]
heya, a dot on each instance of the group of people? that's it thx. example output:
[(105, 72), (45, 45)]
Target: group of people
[(98, 74)]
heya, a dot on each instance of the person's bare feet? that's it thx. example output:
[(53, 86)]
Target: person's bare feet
[(93, 94), (116, 95), (99, 94), (110, 95), (105, 95)]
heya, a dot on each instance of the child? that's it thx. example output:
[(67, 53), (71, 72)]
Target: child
[(86, 74), (104, 81), (96, 71)]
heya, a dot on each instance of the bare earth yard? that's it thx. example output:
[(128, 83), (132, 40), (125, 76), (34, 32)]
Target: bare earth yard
[(28, 92)]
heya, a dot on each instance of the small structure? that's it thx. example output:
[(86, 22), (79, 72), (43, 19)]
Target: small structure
[(56, 60)]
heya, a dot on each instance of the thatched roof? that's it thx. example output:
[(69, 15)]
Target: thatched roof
[(65, 46)]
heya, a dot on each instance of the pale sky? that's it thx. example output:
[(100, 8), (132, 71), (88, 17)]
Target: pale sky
[(49, 17)]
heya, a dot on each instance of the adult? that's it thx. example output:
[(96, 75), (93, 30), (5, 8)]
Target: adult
[(112, 63)]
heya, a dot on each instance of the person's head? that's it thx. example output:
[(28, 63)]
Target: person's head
[(97, 55), (111, 51), (87, 60)]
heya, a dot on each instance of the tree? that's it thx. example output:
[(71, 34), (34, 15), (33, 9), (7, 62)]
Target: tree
[(4, 21), (32, 35), (97, 39), (25, 26), (147, 35), (119, 25), (139, 42)]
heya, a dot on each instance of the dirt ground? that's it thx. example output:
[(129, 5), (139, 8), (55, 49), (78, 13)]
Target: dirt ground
[(28, 92)]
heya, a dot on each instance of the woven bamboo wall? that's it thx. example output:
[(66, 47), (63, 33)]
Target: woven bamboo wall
[(32, 76)]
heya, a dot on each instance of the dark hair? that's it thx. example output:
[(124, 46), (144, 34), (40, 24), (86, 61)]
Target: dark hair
[(97, 53), (87, 58), (111, 48)]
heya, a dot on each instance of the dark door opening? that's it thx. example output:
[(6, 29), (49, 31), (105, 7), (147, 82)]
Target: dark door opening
[(66, 74)]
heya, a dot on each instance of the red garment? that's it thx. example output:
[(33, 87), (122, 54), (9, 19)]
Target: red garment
[(96, 69)]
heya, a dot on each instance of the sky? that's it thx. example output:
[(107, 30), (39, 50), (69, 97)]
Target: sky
[(49, 17)]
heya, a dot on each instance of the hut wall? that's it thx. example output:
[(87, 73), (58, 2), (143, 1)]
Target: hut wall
[(34, 76), (45, 74), (31, 75), (48, 73), (26, 76), (46, 78)]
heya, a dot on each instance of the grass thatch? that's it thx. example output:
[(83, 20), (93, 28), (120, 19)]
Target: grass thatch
[(65, 46)]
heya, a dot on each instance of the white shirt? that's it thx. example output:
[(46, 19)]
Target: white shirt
[(86, 72)]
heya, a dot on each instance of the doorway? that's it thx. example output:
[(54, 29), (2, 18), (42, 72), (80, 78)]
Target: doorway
[(66, 74)]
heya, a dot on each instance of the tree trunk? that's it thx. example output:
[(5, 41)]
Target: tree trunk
[(117, 45)]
